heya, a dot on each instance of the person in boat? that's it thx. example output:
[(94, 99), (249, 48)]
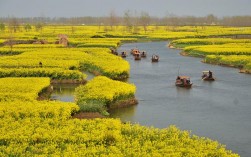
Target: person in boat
[(182, 81), (40, 64), (188, 81), (178, 80), (155, 56), (204, 75), (137, 57), (210, 75)]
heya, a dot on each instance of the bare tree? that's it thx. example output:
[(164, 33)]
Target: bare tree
[(39, 27), (27, 27), (73, 22), (128, 20), (237, 21), (174, 21), (144, 20), (10, 41), (135, 22), (112, 19), (13, 25), (211, 19), (2, 27)]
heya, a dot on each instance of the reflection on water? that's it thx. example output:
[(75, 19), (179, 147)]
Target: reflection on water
[(89, 75), (183, 92), (63, 92), (124, 112)]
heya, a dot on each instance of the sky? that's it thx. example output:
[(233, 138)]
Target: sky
[(97, 8)]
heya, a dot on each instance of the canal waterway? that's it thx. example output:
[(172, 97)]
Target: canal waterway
[(219, 110)]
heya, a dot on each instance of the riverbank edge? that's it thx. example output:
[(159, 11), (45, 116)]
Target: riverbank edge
[(115, 105), (45, 93), (68, 81), (123, 103), (186, 54), (87, 115)]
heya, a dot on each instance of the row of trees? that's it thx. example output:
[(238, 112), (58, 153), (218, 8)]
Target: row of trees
[(14, 25), (129, 19)]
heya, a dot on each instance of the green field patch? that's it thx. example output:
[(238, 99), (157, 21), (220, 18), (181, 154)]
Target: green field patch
[(101, 92), (53, 73)]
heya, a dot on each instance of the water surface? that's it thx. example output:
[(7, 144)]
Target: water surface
[(220, 110)]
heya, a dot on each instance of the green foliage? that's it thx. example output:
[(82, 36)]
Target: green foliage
[(27, 27), (53, 73), (2, 27), (39, 27), (99, 93), (97, 36)]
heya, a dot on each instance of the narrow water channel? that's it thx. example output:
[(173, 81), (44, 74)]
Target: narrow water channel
[(220, 110), (65, 92)]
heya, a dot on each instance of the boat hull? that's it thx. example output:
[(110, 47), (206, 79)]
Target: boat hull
[(183, 85), (208, 79), (155, 60)]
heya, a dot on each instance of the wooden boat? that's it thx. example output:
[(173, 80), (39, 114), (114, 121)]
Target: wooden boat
[(113, 51), (135, 52), (137, 57), (183, 81), (123, 54), (143, 54), (207, 76), (155, 58)]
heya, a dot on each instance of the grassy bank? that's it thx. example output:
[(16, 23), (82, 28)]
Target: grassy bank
[(220, 51), (102, 93)]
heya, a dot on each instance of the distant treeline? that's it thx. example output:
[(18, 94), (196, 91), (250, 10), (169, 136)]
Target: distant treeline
[(128, 20)]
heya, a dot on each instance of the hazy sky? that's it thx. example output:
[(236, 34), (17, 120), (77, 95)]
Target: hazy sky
[(160, 8)]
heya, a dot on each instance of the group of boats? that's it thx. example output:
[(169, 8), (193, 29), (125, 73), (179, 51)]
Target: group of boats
[(142, 54), (184, 81), (137, 54), (181, 81)]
